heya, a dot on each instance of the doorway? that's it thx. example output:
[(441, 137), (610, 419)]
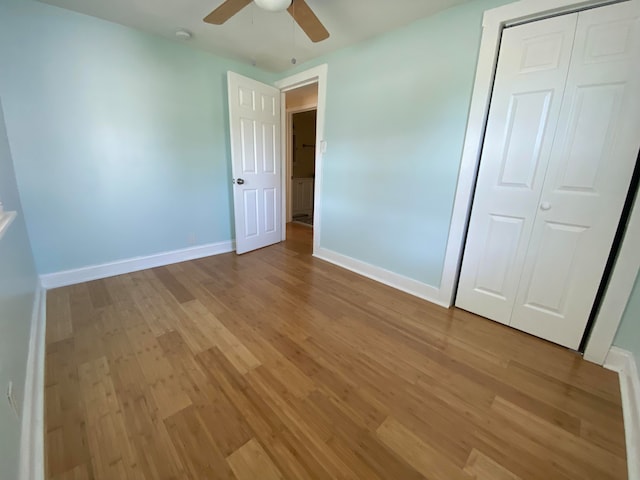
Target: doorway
[(256, 148), (301, 109), (301, 84)]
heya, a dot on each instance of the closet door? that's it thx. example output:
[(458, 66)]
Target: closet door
[(530, 80), (590, 168)]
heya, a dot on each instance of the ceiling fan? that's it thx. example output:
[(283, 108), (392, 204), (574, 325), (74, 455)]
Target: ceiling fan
[(298, 9)]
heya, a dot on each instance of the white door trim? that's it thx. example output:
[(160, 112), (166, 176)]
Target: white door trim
[(303, 108), (627, 265), (317, 74), (618, 291), (288, 146)]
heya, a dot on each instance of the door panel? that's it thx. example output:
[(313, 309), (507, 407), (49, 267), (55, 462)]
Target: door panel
[(526, 124), (550, 279), (542, 52), (270, 141), (254, 114), (270, 204), (530, 80), (592, 126), (251, 227), (248, 146), (611, 40), (590, 168), (501, 245)]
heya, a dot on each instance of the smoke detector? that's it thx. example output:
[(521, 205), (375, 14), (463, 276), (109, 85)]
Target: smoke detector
[(184, 34)]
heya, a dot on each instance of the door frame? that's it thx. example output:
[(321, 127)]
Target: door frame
[(313, 75), (627, 263), (289, 151)]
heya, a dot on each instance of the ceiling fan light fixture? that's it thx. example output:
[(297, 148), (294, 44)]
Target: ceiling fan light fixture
[(273, 5)]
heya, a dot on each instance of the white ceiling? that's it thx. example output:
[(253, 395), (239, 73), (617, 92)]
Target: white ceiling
[(271, 39)]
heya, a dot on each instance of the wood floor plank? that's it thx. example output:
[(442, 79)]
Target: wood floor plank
[(58, 307), (364, 443), (158, 372), (275, 364), (65, 433), (156, 455), (257, 413), (481, 467), (81, 472), (229, 429), (288, 453), (609, 439), (251, 461), (196, 447), (596, 462), (417, 453), (99, 294), (218, 335), (513, 453), (111, 451), (299, 428), (157, 309), (174, 287)]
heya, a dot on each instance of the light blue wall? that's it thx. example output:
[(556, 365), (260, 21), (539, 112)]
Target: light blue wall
[(628, 336), (17, 286), (120, 138), (397, 109)]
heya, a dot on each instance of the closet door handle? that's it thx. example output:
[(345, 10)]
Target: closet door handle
[(545, 206)]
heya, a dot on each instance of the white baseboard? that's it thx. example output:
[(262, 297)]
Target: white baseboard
[(400, 282), (623, 362), (120, 267), (32, 440)]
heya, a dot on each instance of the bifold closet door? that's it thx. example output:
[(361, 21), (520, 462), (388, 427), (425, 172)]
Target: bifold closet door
[(588, 177), (530, 80), (546, 261)]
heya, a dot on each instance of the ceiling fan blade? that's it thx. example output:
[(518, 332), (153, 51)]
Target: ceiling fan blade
[(309, 23), (225, 11)]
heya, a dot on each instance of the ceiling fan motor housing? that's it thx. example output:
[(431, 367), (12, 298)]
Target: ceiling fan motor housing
[(273, 5), (301, 13)]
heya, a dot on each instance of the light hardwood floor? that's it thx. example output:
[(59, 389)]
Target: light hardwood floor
[(276, 365)]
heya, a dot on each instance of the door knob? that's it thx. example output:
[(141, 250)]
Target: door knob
[(240, 181), (545, 206)]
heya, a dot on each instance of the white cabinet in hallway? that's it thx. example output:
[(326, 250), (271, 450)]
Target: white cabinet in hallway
[(302, 196)]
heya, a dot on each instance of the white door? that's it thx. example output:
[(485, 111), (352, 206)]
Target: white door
[(530, 79), (539, 268), (254, 114), (589, 173)]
